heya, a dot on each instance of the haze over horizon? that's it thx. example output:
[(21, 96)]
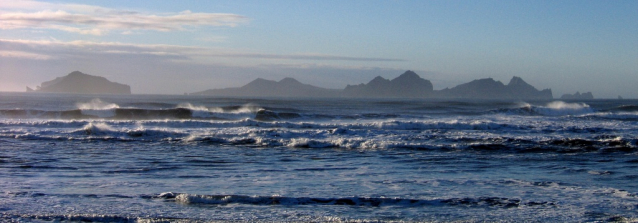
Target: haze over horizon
[(172, 47)]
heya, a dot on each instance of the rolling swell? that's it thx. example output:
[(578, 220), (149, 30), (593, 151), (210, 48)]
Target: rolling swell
[(122, 114), (17, 114), (555, 108), (580, 110), (195, 199), (625, 108), (187, 111), (74, 218)]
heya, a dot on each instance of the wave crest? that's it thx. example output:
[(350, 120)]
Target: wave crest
[(96, 104), (555, 108), (560, 108)]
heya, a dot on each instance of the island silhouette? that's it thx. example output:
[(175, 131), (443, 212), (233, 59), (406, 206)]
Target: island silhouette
[(578, 96), (407, 85), (287, 87), (488, 88), (77, 82)]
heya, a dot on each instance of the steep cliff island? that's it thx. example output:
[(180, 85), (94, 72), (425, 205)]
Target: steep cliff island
[(488, 88), (79, 83), (406, 85)]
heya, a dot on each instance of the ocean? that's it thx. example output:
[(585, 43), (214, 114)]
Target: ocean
[(159, 158)]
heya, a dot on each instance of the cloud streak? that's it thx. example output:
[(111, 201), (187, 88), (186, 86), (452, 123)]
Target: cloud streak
[(47, 49), (93, 20)]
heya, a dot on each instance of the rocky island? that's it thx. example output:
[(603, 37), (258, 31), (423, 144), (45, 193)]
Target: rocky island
[(406, 85), (287, 87), (79, 83), (488, 88), (578, 96)]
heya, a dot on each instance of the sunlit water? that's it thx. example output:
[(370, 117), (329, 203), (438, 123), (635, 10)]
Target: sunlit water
[(181, 158)]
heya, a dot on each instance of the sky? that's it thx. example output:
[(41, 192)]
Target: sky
[(176, 47)]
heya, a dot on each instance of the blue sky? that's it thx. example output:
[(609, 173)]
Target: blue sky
[(172, 47)]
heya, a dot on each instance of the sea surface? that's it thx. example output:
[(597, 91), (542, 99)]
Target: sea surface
[(148, 158)]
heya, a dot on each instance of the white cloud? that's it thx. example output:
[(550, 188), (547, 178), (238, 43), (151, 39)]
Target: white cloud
[(24, 55), (36, 5), (74, 49), (94, 20)]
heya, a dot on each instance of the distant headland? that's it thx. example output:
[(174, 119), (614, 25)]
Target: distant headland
[(79, 83), (406, 85)]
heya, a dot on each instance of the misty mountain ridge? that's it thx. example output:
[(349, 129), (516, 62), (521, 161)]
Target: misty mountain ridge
[(287, 87), (407, 85), (489, 88), (80, 83)]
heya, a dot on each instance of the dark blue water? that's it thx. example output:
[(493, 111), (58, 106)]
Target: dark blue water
[(185, 158)]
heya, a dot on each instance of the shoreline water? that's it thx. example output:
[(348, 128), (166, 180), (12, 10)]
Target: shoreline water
[(211, 159)]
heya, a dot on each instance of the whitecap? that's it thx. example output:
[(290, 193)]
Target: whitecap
[(560, 108), (98, 108)]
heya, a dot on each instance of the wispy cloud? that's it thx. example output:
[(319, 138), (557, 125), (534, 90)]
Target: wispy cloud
[(94, 20), (305, 57), (52, 49), (24, 55)]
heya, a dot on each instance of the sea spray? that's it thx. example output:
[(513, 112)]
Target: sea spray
[(96, 104), (98, 108), (560, 108)]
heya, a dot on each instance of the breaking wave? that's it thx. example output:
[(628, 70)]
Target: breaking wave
[(98, 109), (577, 110), (475, 135), (551, 127), (129, 114), (559, 108), (96, 104), (555, 108), (102, 110)]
